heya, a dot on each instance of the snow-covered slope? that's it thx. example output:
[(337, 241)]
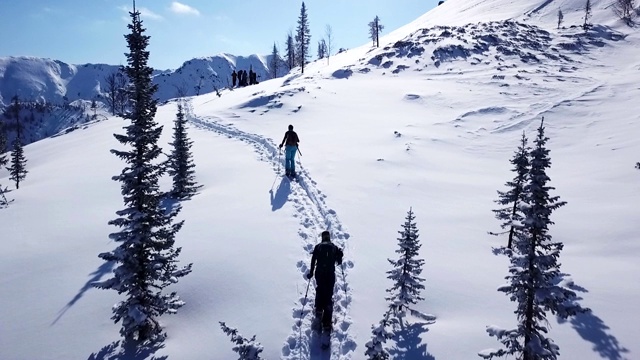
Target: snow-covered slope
[(37, 79), (433, 129)]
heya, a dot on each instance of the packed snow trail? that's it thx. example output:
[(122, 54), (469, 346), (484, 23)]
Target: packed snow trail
[(315, 216)]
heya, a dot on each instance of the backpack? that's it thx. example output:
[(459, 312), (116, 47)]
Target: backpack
[(325, 257)]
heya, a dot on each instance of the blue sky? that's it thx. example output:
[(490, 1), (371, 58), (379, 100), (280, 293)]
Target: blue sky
[(91, 31)]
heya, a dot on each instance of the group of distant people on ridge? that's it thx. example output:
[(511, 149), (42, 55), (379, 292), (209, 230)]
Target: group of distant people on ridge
[(243, 79)]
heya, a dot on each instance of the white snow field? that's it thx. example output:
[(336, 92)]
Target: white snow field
[(428, 121)]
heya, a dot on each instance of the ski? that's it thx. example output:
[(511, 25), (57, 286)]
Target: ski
[(325, 339), (324, 335)]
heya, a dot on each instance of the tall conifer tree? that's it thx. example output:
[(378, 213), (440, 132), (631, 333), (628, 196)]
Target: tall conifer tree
[(180, 163), (275, 61), (535, 270), (511, 214), (303, 38), (18, 168), (291, 51), (587, 15), (560, 17), (375, 27), (146, 257)]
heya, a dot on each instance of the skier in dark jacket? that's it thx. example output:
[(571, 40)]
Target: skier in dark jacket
[(291, 140), (325, 256), (234, 77)]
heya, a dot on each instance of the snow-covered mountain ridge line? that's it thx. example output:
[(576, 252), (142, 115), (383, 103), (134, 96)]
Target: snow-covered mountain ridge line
[(488, 44), (40, 79)]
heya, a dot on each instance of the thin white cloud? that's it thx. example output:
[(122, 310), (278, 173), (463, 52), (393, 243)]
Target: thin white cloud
[(224, 39), (221, 18), (144, 12), (180, 8)]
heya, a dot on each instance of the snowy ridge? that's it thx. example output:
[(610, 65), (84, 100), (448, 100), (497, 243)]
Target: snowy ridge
[(54, 81), (315, 216), (506, 46)]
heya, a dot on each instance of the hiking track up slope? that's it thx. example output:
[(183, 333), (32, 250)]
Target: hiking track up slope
[(315, 216)]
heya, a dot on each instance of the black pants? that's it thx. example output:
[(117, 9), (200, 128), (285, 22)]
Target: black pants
[(324, 296)]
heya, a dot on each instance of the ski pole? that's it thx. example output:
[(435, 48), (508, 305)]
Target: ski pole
[(305, 299), (299, 151), (279, 157)]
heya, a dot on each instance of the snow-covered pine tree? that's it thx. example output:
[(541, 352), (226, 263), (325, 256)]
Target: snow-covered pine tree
[(560, 17), (322, 49), (18, 168), (405, 274), (375, 27), (511, 214), (534, 270), (146, 257), (248, 349), (180, 164), (379, 335), (587, 15), (625, 10), (303, 38), (275, 61), (291, 51)]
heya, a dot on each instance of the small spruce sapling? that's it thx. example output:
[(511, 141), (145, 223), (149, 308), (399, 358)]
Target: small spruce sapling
[(406, 271), (248, 349), (379, 335)]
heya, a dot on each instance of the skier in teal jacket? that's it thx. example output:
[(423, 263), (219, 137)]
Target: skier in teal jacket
[(291, 140)]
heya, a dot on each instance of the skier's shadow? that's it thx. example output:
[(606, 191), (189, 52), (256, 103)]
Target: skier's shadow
[(282, 194), (105, 268), (129, 350), (591, 328), (408, 344)]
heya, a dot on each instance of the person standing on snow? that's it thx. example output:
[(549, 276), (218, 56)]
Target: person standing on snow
[(325, 256), (291, 140)]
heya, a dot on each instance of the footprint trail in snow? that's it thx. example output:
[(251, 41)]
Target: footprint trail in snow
[(315, 216)]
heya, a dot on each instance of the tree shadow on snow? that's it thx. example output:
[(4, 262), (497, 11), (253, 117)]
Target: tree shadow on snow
[(129, 350), (106, 267), (592, 329), (408, 344), (282, 193)]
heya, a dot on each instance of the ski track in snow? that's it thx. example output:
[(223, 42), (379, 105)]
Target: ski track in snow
[(315, 216)]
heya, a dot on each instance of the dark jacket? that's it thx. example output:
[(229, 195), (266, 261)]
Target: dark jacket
[(325, 257), (290, 138)]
